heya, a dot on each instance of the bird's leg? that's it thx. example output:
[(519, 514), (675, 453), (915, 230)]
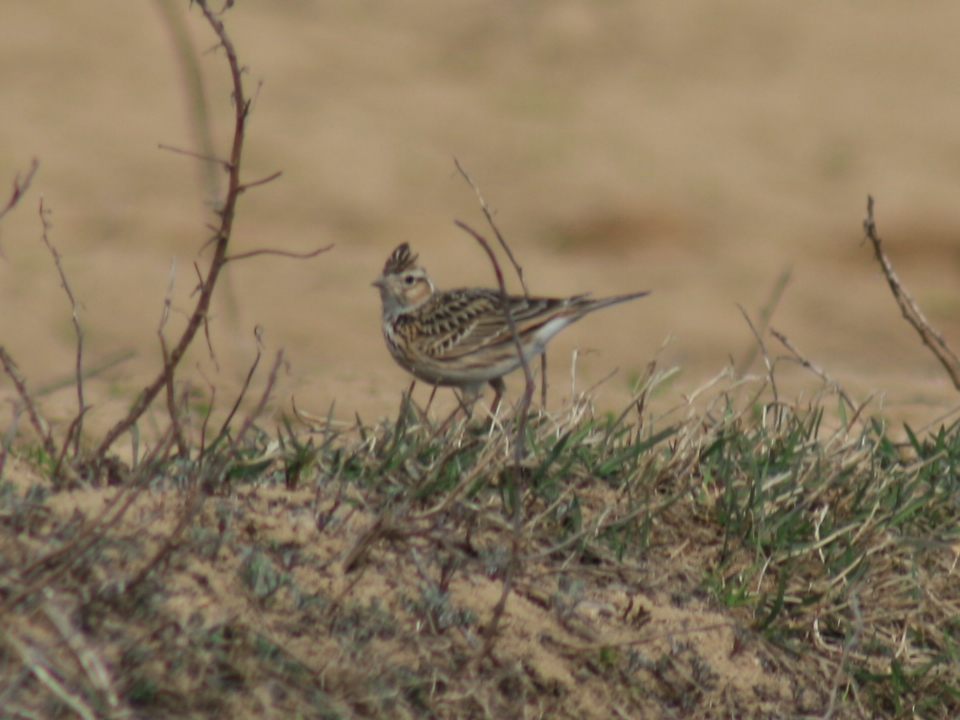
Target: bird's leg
[(499, 387)]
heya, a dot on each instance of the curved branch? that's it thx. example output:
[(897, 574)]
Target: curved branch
[(221, 240), (528, 390), (20, 186), (262, 181), (281, 253), (930, 336)]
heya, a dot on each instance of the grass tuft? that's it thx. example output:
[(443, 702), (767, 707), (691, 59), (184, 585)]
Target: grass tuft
[(759, 557)]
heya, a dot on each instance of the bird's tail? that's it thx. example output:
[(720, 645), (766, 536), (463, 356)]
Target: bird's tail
[(586, 305)]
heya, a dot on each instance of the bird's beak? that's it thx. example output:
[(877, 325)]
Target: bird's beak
[(378, 283)]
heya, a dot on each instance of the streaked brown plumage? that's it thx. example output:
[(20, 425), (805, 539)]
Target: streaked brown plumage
[(462, 338)]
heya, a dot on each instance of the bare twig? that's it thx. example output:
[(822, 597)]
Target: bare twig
[(206, 320), (173, 410), (81, 405), (258, 335), (528, 392), (516, 266), (487, 214), (264, 397), (815, 369), (20, 186), (220, 239), (908, 306), (281, 253), (198, 156), (261, 181), (490, 632), (763, 350), (39, 425), (72, 432)]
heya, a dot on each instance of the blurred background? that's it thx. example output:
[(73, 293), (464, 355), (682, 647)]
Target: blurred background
[(698, 149)]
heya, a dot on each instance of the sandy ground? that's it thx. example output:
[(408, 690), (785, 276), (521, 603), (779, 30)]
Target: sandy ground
[(695, 149)]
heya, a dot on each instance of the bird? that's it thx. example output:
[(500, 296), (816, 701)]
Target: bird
[(462, 338)]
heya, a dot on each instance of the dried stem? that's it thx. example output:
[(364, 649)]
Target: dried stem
[(490, 633), (20, 186), (489, 215), (516, 266), (39, 425), (262, 181), (908, 306), (815, 369), (264, 397), (198, 156), (763, 350), (524, 409), (171, 396), (281, 253), (258, 335), (81, 405), (220, 240)]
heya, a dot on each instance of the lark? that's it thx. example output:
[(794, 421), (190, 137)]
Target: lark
[(462, 338)]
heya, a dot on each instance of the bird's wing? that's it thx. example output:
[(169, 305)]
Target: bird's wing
[(460, 322)]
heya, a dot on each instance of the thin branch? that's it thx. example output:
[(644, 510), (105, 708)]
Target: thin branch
[(20, 186), (281, 253), (490, 631), (39, 425), (763, 350), (516, 266), (264, 397), (911, 311), (258, 335), (72, 432), (487, 214), (528, 392), (221, 239), (198, 156), (206, 320), (172, 409), (81, 405), (815, 369), (262, 181)]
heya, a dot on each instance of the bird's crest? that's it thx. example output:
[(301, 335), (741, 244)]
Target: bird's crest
[(400, 260)]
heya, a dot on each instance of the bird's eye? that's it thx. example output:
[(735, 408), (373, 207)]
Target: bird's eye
[(409, 279)]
